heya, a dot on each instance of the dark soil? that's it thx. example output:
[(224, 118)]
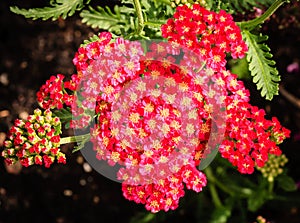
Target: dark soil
[(32, 51)]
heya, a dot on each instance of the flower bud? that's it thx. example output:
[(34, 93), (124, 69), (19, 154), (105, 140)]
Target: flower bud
[(34, 141), (273, 167)]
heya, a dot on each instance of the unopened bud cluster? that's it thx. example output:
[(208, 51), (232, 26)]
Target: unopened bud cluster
[(273, 167), (175, 3), (34, 141)]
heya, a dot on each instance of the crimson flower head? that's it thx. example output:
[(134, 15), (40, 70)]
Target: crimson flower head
[(211, 35), (54, 95)]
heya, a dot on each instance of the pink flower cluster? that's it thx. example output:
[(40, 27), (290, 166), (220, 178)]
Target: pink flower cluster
[(34, 141), (147, 93), (165, 195)]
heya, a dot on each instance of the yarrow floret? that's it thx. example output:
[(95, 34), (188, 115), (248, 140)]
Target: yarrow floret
[(34, 141)]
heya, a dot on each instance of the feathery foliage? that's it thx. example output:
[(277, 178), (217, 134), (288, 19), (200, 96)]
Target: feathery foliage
[(59, 8), (237, 6), (261, 65), (122, 20), (118, 21)]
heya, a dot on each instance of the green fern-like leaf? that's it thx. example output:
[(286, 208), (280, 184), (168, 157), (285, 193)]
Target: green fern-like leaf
[(122, 20), (237, 6), (261, 65), (105, 19), (93, 38), (59, 8)]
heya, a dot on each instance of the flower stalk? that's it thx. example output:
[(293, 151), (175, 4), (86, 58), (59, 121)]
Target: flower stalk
[(245, 192), (71, 139), (215, 196), (251, 24), (138, 9)]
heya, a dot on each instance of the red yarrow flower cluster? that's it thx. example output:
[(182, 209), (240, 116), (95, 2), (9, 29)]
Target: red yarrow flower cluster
[(34, 141), (54, 93), (209, 34), (249, 137)]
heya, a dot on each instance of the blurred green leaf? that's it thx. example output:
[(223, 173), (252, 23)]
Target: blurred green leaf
[(145, 4), (256, 200), (221, 214), (64, 114), (286, 183), (143, 218), (240, 68)]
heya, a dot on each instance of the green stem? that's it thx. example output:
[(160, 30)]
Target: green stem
[(72, 139), (212, 179), (212, 187), (271, 187), (244, 192), (154, 24), (164, 1), (138, 9), (214, 195), (251, 24)]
